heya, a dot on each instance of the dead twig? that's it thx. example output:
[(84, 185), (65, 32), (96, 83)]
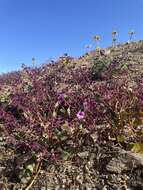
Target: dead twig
[(33, 179)]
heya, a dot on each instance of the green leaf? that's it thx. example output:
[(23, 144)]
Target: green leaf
[(65, 155), (120, 138), (137, 147), (66, 128), (30, 167)]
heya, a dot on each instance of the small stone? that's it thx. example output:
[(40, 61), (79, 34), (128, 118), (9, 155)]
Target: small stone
[(83, 154), (43, 188), (116, 166), (24, 180), (57, 187), (104, 188), (79, 179)]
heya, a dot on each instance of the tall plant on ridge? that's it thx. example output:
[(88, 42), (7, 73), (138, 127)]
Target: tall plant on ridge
[(114, 38), (131, 34), (33, 61), (97, 40)]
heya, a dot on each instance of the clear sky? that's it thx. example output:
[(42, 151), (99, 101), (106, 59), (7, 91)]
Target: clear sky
[(46, 29)]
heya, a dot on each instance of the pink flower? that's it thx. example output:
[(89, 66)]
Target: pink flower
[(80, 115), (62, 97)]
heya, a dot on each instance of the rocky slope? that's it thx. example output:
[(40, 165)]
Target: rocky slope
[(107, 147)]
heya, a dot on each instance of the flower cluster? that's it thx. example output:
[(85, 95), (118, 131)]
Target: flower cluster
[(40, 117)]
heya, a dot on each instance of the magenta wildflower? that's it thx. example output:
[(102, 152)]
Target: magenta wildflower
[(61, 97), (80, 115)]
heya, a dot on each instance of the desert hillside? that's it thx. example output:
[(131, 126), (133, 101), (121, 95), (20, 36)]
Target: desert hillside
[(74, 123)]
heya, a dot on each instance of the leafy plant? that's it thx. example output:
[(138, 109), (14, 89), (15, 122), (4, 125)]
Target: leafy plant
[(98, 68)]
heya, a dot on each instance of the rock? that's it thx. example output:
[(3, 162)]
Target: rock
[(107, 52), (83, 154), (1, 168), (116, 166), (24, 180), (124, 161), (43, 188), (104, 188)]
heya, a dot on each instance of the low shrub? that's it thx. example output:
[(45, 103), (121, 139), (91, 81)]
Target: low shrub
[(97, 69)]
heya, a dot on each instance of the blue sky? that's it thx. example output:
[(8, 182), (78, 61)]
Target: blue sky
[(46, 29)]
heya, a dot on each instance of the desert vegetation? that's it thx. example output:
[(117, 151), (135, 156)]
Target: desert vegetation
[(57, 113)]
